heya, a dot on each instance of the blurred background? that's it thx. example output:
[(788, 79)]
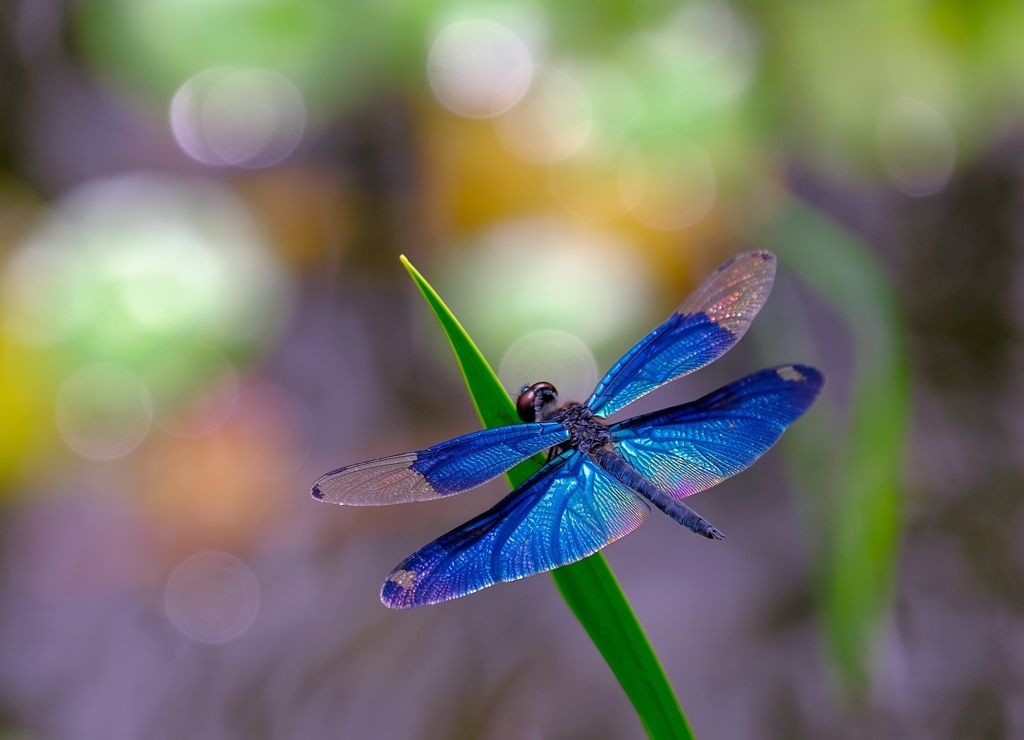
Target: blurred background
[(202, 309)]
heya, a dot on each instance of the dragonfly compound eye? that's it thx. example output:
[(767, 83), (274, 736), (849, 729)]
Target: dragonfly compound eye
[(524, 405), (534, 399)]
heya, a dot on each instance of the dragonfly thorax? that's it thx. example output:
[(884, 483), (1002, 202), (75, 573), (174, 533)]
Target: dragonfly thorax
[(586, 433)]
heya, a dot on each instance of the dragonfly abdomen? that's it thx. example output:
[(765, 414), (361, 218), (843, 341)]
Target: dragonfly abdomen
[(617, 467)]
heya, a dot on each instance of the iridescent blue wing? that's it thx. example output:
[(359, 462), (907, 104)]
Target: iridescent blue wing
[(569, 509), (701, 330), (442, 470), (688, 448)]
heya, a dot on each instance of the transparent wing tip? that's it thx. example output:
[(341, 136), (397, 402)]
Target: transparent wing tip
[(735, 292), (764, 254), (762, 259), (761, 264)]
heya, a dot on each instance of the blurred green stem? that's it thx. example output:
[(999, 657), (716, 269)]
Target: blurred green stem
[(864, 481), (588, 586)]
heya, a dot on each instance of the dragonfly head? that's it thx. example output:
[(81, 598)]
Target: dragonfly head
[(536, 401)]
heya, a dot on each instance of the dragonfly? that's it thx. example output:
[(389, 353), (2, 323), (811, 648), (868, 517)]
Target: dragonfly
[(600, 479)]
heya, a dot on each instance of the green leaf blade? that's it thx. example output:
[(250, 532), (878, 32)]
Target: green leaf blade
[(589, 587), (862, 493)]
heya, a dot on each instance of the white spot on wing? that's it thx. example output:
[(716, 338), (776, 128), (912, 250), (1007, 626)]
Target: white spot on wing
[(791, 374), (404, 578)]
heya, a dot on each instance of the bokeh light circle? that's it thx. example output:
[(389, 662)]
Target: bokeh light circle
[(555, 356), (39, 272), (278, 427), (916, 147), (704, 30), (667, 182), (143, 263), (580, 280), (550, 122), (586, 182), (479, 68), (212, 597), (242, 117), (195, 389), (103, 411)]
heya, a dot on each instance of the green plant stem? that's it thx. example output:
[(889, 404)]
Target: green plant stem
[(858, 491), (589, 587)]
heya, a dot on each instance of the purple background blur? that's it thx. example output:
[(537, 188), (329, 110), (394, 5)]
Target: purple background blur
[(202, 310)]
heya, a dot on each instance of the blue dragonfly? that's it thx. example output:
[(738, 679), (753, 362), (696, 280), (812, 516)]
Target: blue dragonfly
[(600, 479)]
